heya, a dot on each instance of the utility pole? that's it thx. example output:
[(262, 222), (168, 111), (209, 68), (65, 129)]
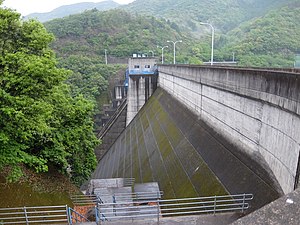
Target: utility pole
[(105, 56)]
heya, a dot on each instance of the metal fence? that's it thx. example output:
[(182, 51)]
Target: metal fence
[(133, 197), (213, 204), (40, 215), (143, 205), (85, 199), (116, 197), (172, 207)]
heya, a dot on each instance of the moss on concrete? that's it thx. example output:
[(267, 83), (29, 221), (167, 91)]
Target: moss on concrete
[(153, 149)]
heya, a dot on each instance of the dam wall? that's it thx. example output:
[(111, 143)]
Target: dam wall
[(257, 111), (167, 143)]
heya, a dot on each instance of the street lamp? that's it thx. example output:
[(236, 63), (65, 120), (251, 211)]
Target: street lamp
[(174, 50), (105, 52), (162, 53), (152, 53), (212, 42)]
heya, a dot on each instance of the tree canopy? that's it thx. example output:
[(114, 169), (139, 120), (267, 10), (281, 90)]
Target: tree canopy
[(41, 124)]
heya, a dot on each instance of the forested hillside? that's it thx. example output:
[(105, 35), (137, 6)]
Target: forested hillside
[(117, 31), (268, 41), (87, 35), (258, 33), (224, 14)]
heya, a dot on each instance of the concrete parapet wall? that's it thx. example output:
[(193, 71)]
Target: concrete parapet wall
[(256, 110)]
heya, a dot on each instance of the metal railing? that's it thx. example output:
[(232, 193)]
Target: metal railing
[(116, 197), (85, 199), (126, 210), (129, 182), (172, 207), (40, 215), (135, 196), (213, 204)]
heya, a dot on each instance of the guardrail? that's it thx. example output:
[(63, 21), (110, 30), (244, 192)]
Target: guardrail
[(172, 207), (213, 204), (116, 197), (40, 215), (146, 208), (85, 199), (135, 196), (129, 182), (126, 210)]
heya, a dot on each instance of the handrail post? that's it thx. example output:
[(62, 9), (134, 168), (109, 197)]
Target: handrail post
[(114, 201), (244, 196), (157, 212), (215, 203), (70, 215), (25, 213), (96, 214)]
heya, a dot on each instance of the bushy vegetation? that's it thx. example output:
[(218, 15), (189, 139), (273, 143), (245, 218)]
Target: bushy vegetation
[(41, 124)]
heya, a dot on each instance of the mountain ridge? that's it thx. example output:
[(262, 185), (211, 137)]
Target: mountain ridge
[(71, 9)]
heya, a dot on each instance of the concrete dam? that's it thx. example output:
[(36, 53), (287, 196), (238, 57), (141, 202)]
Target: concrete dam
[(213, 131)]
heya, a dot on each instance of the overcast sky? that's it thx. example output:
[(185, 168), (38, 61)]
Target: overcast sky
[(26, 7)]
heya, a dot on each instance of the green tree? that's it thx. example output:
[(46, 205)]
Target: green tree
[(40, 123)]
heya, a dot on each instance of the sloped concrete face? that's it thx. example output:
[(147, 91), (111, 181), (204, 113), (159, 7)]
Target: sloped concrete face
[(169, 144)]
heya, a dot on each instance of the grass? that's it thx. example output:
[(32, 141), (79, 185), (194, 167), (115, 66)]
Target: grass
[(33, 189)]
